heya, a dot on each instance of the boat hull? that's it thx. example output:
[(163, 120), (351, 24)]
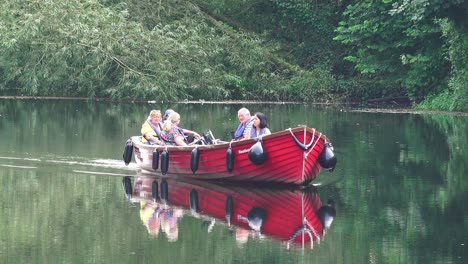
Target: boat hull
[(291, 158)]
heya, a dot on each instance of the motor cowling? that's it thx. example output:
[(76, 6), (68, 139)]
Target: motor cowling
[(257, 153), (128, 152), (327, 158)]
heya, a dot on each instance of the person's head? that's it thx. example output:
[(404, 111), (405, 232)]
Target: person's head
[(168, 113), (174, 118), (155, 116), (243, 114), (260, 120)]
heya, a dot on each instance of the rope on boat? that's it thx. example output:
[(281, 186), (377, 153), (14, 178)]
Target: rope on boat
[(302, 229), (306, 228), (311, 228), (303, 146), (313, 146)]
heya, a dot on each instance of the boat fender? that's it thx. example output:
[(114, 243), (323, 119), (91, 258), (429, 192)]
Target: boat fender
[(194, 200), (194, 160), (164, 191), (154, 190), (127, 185), (256, 217), (229, 159), (229, 209), (257, 153), (164, 161), (155, 163), (327, 158), (128, 152), (327, 213)]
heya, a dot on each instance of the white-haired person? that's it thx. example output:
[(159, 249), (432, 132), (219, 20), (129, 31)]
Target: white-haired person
[(173, 134), (245, 124)]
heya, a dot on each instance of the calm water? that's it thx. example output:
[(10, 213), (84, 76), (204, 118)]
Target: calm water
[(400, 188)]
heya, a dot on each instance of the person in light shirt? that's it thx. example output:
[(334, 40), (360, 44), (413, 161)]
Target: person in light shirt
[(173, 134), (151, 129), (245, 124), (259, 127)]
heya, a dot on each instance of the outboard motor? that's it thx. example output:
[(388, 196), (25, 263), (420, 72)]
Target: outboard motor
[(207, 138), (257, 153), (327, 158), (128, 151)]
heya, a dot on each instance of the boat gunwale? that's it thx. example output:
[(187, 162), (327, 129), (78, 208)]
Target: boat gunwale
[(225, 144)]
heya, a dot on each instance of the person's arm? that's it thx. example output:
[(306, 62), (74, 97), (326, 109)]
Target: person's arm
[(179, 141), (190, 132), (248, 129), (153, 139)]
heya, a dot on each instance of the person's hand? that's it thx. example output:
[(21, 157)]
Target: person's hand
[(196, 135)]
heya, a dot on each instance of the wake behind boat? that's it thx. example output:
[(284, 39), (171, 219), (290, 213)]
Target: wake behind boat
[(292, 156)]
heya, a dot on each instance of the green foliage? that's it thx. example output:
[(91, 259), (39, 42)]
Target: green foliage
[(238, 49), (401, 42), (133, 49)]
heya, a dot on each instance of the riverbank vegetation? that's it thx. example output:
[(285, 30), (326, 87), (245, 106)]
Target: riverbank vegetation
[(280, 50)]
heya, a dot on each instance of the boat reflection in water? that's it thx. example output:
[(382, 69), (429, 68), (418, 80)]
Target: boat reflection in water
[(292, 215)]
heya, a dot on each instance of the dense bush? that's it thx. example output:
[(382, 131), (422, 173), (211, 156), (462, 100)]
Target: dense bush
[(237, 49)]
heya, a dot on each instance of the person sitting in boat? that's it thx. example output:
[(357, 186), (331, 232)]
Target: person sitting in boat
[(151, 129), (185, 132), (173, 134), (245, 124), (259, 127), (167, 114)]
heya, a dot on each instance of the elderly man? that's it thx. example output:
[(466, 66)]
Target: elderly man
[(245, 125)]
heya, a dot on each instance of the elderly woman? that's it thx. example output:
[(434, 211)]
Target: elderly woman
[(151, 129), (173, 134), (260, 126)]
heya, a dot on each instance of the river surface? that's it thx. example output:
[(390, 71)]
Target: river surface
[(400, 189)]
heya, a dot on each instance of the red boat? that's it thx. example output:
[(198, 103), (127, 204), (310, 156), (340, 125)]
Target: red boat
[(293, 216), (292, 156)]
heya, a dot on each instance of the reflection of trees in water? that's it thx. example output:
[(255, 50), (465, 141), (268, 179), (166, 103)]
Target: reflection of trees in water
[(411, 172)]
